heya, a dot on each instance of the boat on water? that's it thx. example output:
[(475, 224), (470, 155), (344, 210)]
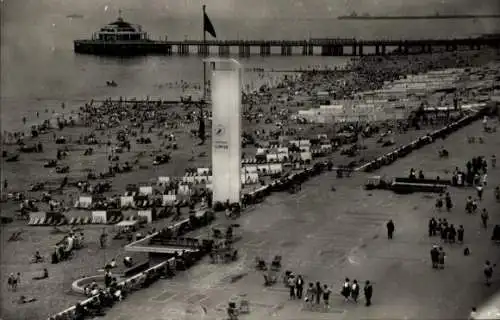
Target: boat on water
[(121, 38)]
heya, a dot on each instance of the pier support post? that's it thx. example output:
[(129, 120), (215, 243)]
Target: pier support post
[(203, 50), (244, 50), (383, 49), (265, 50), (377, 50), (224, 51), (354, 50), (360, 49), (304, 50), (286, 50), (310, 50)]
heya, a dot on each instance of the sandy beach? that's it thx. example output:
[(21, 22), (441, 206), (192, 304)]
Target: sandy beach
[(164, 126)]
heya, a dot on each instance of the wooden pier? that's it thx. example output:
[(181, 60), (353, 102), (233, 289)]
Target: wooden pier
[(245, 48)]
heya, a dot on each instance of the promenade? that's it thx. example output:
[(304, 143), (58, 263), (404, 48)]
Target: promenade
[(327, 236)]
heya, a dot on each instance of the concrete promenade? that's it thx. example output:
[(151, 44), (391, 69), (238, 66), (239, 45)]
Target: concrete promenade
[(327, 236)]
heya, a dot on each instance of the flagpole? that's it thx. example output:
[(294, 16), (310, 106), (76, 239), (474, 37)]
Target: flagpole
[(204, 65)]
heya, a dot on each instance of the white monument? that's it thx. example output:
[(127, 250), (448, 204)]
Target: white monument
[(226, 129)]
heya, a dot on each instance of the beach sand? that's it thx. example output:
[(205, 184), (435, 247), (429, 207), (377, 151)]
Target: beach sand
[(54, 294)]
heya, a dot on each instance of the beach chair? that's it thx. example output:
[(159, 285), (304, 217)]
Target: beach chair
[(54, 222), (43, 221), (86, 220), (118, 219), (72, 221), (61, 222), (31, 222)]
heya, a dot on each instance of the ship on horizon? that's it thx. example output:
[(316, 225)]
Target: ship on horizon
[(437, 15)]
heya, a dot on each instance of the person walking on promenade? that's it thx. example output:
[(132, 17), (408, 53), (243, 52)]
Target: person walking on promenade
[(435, 257), (484, 218), (442, 256), (460, 234), (488, 272), (326, 296), (449, 203), (346, 289), (479, 190), (355, 291), (291, 285), (309, 295), (368, 290), (390, 229), (318, 292), (299, 284)]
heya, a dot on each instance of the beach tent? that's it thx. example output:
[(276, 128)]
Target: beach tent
[(263, 168), (271, 157), (163, 180), (282, 156), (249, 169), (184, 189), (202, 171), (148, 214), (99, 217), (126, 223), (326, 147), (146, 190), (188, 178), (275, 168), (282, 150), (305, 143), (249, 178), (261, 151), (37, 217), (305, 156), (126, 201), (168, 199), (84, 202)]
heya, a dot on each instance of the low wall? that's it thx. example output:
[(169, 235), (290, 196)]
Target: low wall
[(78, 286), (70, 311)]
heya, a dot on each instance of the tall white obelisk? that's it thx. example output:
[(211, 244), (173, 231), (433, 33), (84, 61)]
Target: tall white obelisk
[(226, 129)]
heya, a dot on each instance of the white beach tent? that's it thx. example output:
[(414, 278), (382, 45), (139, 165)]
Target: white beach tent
[(146, 190), (84, 202), (99, 217)]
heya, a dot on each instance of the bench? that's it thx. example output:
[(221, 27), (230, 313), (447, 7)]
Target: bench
[(423, 181), (136, 268)]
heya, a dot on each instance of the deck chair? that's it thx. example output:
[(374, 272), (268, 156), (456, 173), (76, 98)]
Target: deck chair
[(118, 219), (112, 220), (48, 221), (86, 220), (72, 221), (78, 220), (54, 222), (61, 222), (32, 221)]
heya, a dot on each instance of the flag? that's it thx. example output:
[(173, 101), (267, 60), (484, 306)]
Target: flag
[(208, 26)]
